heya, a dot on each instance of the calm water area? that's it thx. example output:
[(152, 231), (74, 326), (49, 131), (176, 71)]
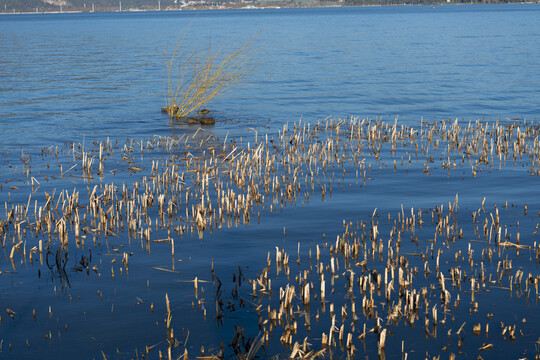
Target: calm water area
[(67, 76), (405, 88)]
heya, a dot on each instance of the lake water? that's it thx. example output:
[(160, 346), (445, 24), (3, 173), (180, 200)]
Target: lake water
[(66, 76), (98, 80)]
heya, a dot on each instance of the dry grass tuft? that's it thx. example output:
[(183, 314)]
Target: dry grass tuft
[(195, 78)]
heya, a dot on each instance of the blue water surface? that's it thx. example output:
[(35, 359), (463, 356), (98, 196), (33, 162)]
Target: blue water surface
[(71, 77), (91, 76)]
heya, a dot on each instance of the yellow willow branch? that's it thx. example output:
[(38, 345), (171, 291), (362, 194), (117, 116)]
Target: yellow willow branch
[(203, 75)]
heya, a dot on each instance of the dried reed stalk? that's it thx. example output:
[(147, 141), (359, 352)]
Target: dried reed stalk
[(195, 79)]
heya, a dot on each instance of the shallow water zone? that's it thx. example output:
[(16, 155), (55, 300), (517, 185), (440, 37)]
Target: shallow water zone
[(346, 237)]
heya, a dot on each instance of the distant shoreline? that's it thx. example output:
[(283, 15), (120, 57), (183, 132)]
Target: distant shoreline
[(245, 6)]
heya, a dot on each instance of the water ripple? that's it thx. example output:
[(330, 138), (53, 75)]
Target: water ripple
[(70, 76)]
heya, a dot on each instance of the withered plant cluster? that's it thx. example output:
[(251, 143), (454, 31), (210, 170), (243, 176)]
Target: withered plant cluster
[(197, 184), (195, 77)]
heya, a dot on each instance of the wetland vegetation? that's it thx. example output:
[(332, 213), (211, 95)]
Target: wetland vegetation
[(282, 233), (441, 281), (196, 77)]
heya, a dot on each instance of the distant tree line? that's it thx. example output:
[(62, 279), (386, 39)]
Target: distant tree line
[(21, 5), (40, 5)]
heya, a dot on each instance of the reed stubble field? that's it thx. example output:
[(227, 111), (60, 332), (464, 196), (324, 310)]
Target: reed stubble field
[(116, 249)]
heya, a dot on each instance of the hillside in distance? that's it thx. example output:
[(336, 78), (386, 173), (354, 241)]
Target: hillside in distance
[(81, 5), (15, 6)]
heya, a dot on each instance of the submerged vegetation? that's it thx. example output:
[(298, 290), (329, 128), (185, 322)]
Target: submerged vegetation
[(194, 78), (389, 280)]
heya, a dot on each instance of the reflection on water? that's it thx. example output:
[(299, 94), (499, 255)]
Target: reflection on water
[(345, 236)]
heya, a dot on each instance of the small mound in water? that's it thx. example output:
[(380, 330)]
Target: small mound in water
[(200, 118), (172, 110), (203, 120)]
